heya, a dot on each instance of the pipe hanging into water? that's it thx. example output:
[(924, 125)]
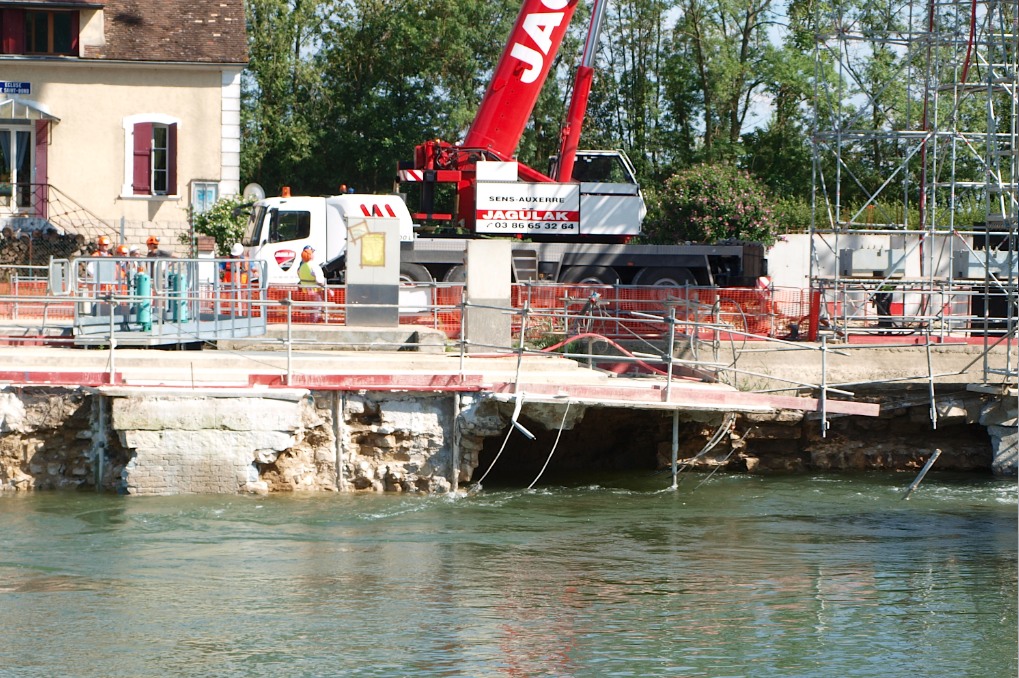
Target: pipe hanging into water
[(926, 467), (554, 445)]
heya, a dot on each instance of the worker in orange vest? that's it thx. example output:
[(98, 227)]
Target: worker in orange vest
[(102, 246), (231, 271)]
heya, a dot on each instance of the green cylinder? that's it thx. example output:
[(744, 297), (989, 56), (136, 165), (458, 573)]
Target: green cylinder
[(143, 308), (179, 303)]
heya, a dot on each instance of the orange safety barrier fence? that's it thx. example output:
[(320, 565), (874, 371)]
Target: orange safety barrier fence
[(31, 311), (553, 309)]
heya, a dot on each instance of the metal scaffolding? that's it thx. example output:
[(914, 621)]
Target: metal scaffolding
[(916, 163)]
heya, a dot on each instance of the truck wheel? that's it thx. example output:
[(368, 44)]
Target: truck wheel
[(591, 275), (665, 277), (414, 273), (456, 274)]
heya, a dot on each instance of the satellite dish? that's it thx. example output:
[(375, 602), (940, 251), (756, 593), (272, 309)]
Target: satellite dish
[(254, 192)]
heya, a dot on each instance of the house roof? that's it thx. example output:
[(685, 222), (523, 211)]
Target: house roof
[(191, 31)]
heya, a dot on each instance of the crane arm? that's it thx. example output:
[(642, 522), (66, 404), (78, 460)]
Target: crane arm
[(570, 136), (519, 76)]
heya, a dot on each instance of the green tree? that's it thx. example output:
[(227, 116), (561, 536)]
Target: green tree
[(722, 61), (628, 97), (712, 203), (397, 74), (225, 221), (779, 153), (280, 90)]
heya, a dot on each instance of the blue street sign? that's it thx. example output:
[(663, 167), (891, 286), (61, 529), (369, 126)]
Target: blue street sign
[(15, 87)]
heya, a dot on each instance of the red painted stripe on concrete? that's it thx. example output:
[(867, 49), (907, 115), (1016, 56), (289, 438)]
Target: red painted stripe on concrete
[(62, 378), (684, 395), (373, 382)]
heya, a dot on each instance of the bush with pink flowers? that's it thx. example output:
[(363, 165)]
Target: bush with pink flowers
[(711, 203)]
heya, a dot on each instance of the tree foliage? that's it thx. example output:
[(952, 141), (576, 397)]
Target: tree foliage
[(339, 91), (280, 90)]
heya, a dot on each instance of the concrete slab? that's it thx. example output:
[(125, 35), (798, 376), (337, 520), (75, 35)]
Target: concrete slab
[(342, 338)]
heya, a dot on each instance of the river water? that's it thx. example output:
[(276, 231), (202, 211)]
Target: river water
[(737, 576)]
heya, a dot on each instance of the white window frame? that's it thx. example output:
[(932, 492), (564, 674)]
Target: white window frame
[(127, 189)]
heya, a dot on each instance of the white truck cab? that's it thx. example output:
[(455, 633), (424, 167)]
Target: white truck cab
[(280, 228)]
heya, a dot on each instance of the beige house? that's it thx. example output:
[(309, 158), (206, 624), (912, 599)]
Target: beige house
[(117, 116)]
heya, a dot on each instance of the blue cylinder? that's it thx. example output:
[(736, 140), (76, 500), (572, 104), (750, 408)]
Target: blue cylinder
[(143, 290)]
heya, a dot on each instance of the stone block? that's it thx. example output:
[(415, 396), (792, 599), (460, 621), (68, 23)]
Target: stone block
[(155, 413)]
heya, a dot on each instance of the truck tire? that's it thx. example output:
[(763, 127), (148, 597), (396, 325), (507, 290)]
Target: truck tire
[(414, 273), (661, 276), (456, 274), (591, 275)]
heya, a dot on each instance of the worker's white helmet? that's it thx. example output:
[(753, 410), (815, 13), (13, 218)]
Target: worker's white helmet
[(237, 250)]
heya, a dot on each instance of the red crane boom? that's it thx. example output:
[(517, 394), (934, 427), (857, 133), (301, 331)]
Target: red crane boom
[(593, 195), (519, 76)]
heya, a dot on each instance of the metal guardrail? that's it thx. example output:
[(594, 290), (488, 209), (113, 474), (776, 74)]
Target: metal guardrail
[(95, 300), (843, 311)]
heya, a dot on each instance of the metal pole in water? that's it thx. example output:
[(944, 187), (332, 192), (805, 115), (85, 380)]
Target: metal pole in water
[(923, 472), (675, 449), (824, 387)]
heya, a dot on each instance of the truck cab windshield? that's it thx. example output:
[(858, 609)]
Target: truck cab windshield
[(271, 225), (601, 168), (253, 230)]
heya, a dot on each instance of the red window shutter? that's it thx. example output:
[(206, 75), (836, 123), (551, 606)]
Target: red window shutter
[(12, 41), (171, 160), (42, 138), (75, 27), (142, 179)]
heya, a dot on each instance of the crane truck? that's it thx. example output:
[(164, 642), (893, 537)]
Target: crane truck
[(571, 225)]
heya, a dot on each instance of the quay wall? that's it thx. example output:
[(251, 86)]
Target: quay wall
[(145, 441)]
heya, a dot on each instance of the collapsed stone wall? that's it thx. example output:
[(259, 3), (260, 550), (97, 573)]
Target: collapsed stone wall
[(139, 441), (49, 440), (901, 438)]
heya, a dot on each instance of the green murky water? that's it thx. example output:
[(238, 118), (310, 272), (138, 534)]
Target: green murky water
[(741, 576)]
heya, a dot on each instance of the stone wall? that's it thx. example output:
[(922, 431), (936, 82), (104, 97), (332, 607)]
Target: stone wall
[(200, 443), (47, 439), (1001, 417), (279, 441), (150, 442)]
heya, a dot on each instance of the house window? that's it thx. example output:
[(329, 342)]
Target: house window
[(204, 195), (15, 167), (150, 155), (160, 159), (31, 31)]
